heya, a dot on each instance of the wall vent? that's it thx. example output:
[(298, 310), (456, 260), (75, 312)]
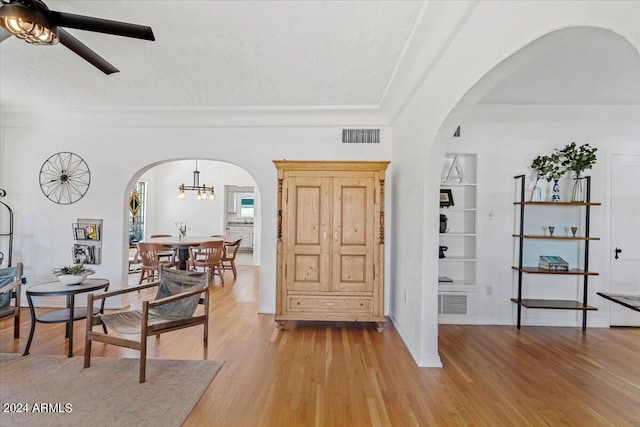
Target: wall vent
[(452, 304), (361, 136)]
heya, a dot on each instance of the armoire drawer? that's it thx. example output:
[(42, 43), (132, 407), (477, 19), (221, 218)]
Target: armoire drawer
[(329, 304)]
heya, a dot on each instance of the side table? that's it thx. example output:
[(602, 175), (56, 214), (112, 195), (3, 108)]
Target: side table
[(67, 315)]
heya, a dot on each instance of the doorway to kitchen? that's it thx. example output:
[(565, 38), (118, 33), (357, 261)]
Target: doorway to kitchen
[(240, 217)]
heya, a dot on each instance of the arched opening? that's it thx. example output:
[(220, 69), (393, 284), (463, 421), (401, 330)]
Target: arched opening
[(160, 210), (576, 84)]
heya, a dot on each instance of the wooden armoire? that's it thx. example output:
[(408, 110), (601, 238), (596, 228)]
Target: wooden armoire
[(330, 247)]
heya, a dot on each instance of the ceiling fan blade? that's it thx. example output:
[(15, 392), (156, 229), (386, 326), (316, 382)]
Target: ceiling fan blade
[(4, 34), (81, 49), (99, 25)]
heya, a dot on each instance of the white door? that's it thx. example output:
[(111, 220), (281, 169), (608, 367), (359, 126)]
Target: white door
[(625, 235)]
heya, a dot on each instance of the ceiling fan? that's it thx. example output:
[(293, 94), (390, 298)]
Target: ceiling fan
[(32, 21)]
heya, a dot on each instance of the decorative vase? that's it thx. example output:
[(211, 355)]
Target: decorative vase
[(555, 195), (536, 192), (72, 279), (183, 235), (578, 192)]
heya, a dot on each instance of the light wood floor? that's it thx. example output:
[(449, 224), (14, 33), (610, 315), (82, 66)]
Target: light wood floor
[(345, 374)]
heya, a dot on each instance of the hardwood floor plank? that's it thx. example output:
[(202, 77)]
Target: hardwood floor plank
[(347, 374)]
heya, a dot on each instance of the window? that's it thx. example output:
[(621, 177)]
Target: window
[(136, 212), (246, 207)]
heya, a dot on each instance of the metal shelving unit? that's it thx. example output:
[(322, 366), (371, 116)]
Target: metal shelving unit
[(554, 304)]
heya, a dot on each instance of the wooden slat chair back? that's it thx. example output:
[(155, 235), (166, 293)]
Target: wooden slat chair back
[(149, 255), (167, 254), (10, 290), (174, 308), (209, 257)]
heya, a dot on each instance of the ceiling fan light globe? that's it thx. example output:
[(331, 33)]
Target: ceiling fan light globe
[(28, 25)]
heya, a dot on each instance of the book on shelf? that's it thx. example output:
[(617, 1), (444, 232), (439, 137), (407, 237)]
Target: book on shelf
[(445, 279), (553, 263)]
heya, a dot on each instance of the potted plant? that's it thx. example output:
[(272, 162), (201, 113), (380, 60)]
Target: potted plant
[(72, 275), (547, 167), (577, 159)]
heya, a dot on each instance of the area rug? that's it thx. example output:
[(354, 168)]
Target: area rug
[(58, 391)]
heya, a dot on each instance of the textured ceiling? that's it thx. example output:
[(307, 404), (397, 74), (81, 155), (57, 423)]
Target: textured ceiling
[(283, 55), (218, 54)]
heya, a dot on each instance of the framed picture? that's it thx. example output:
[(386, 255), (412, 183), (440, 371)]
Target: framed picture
[(446, 198), (80, 233), (92, 232)]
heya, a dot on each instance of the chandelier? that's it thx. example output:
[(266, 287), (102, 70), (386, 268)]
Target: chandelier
[(204, 192)]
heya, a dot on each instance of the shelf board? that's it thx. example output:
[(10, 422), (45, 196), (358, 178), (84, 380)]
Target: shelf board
[(553, 304), (538, 236), (458, 184), (456, 258), (572, 271), (559, 203), (459, 209), (458, 286), (458, 234)]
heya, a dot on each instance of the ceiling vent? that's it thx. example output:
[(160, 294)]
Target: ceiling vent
[(361, 136), (452, 304)]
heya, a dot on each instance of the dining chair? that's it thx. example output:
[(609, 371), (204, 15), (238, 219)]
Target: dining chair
[(167, 253), (229, 257), (174, 307), (134, 259), (10, 284), (149, 254), (210, 257), (196, 252)]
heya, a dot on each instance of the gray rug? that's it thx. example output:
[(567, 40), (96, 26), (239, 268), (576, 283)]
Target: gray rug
[(106, 394)]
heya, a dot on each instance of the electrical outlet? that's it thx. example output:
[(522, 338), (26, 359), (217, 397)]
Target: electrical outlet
[(491, 215), (489, 290)]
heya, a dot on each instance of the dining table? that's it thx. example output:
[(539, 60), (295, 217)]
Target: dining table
[(182, 245)]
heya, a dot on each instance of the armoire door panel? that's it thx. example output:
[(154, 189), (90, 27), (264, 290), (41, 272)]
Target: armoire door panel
[(308, 249), (308, 201), (353, 220), (353, 213)]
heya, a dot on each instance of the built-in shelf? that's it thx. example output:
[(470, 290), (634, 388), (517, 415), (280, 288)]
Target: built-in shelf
[(459, 177), (87, 234)]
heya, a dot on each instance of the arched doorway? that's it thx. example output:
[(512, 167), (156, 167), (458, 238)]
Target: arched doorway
[(159, 210), (556, 90)]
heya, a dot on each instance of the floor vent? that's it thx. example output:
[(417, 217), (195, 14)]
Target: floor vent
[(452, 304), (361, 136)]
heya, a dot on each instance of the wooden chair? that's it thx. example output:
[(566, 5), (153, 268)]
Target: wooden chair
[(174, 307), (229, 257), (167, 253), (10, 289), (134, 259), (211, 257), (149, 254)]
